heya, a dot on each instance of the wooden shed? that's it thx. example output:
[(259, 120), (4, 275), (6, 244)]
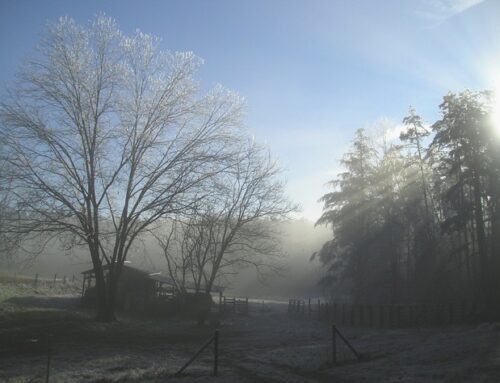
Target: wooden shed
[(137, 289)]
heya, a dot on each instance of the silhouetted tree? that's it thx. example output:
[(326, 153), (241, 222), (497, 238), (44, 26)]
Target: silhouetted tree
[(107, 134), (427, 220), (233, 226)]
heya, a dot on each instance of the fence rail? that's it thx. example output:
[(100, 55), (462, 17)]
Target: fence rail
[(385, 316), (215, 340), (233, 304), (35, 279)]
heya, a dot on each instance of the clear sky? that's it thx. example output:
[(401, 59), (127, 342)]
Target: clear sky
[(311, 71)]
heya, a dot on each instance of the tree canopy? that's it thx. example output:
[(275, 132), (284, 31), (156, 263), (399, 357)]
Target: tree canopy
[(419, 220)]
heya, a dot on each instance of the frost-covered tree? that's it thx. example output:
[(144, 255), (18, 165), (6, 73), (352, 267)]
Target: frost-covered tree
[(107, 134), (235, 226)]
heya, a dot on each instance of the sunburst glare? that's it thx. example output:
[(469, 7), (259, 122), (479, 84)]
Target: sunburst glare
[(495, 112)]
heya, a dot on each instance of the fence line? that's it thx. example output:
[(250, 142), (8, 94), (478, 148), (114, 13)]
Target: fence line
[(35, 279), (385, 316), (233, 304), (215, 340), (335, 332)]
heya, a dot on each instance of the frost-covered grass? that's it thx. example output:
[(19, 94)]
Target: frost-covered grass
[(12, 286), (267, 346)]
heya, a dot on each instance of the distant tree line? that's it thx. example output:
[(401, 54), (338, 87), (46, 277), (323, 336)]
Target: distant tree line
[(419, 221)]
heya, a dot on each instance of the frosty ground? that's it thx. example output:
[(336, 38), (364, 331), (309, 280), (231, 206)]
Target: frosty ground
[(266, 346)]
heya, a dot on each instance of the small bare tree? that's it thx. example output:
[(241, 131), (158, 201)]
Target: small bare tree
[(237, 225), (107, 134)]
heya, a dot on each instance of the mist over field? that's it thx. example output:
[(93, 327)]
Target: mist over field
[(250, 191), (297, 277)]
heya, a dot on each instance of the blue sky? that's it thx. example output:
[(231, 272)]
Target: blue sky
[(312, 72)]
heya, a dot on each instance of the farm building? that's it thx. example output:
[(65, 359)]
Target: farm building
[(138, 289)]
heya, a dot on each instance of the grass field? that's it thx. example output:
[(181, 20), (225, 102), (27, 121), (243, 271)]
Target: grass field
[(266, 346)]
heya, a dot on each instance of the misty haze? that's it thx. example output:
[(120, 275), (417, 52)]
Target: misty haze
[(251, 191)]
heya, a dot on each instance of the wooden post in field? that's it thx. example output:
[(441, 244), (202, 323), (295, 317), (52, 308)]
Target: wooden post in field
[(334, 344), (36, 279), (246, 305), (83, 285), (220, 301), (49, 352), (55, 278), (215, 340), (216, 352)]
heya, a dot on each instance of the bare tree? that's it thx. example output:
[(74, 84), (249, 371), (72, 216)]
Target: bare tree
[(107, 135), (235, 226), (8, 242)]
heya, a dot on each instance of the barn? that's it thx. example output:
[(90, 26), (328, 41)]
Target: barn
[(140, 290)]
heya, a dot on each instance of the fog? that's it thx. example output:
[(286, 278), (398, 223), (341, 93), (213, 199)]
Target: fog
[(298, 275)]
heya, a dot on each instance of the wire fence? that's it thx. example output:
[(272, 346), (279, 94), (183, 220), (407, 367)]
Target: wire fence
[(385, 316)]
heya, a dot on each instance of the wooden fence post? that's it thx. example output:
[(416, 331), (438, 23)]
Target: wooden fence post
[(334, 344), (55, 278), (49, 352), (216, 351), (36, 279)]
